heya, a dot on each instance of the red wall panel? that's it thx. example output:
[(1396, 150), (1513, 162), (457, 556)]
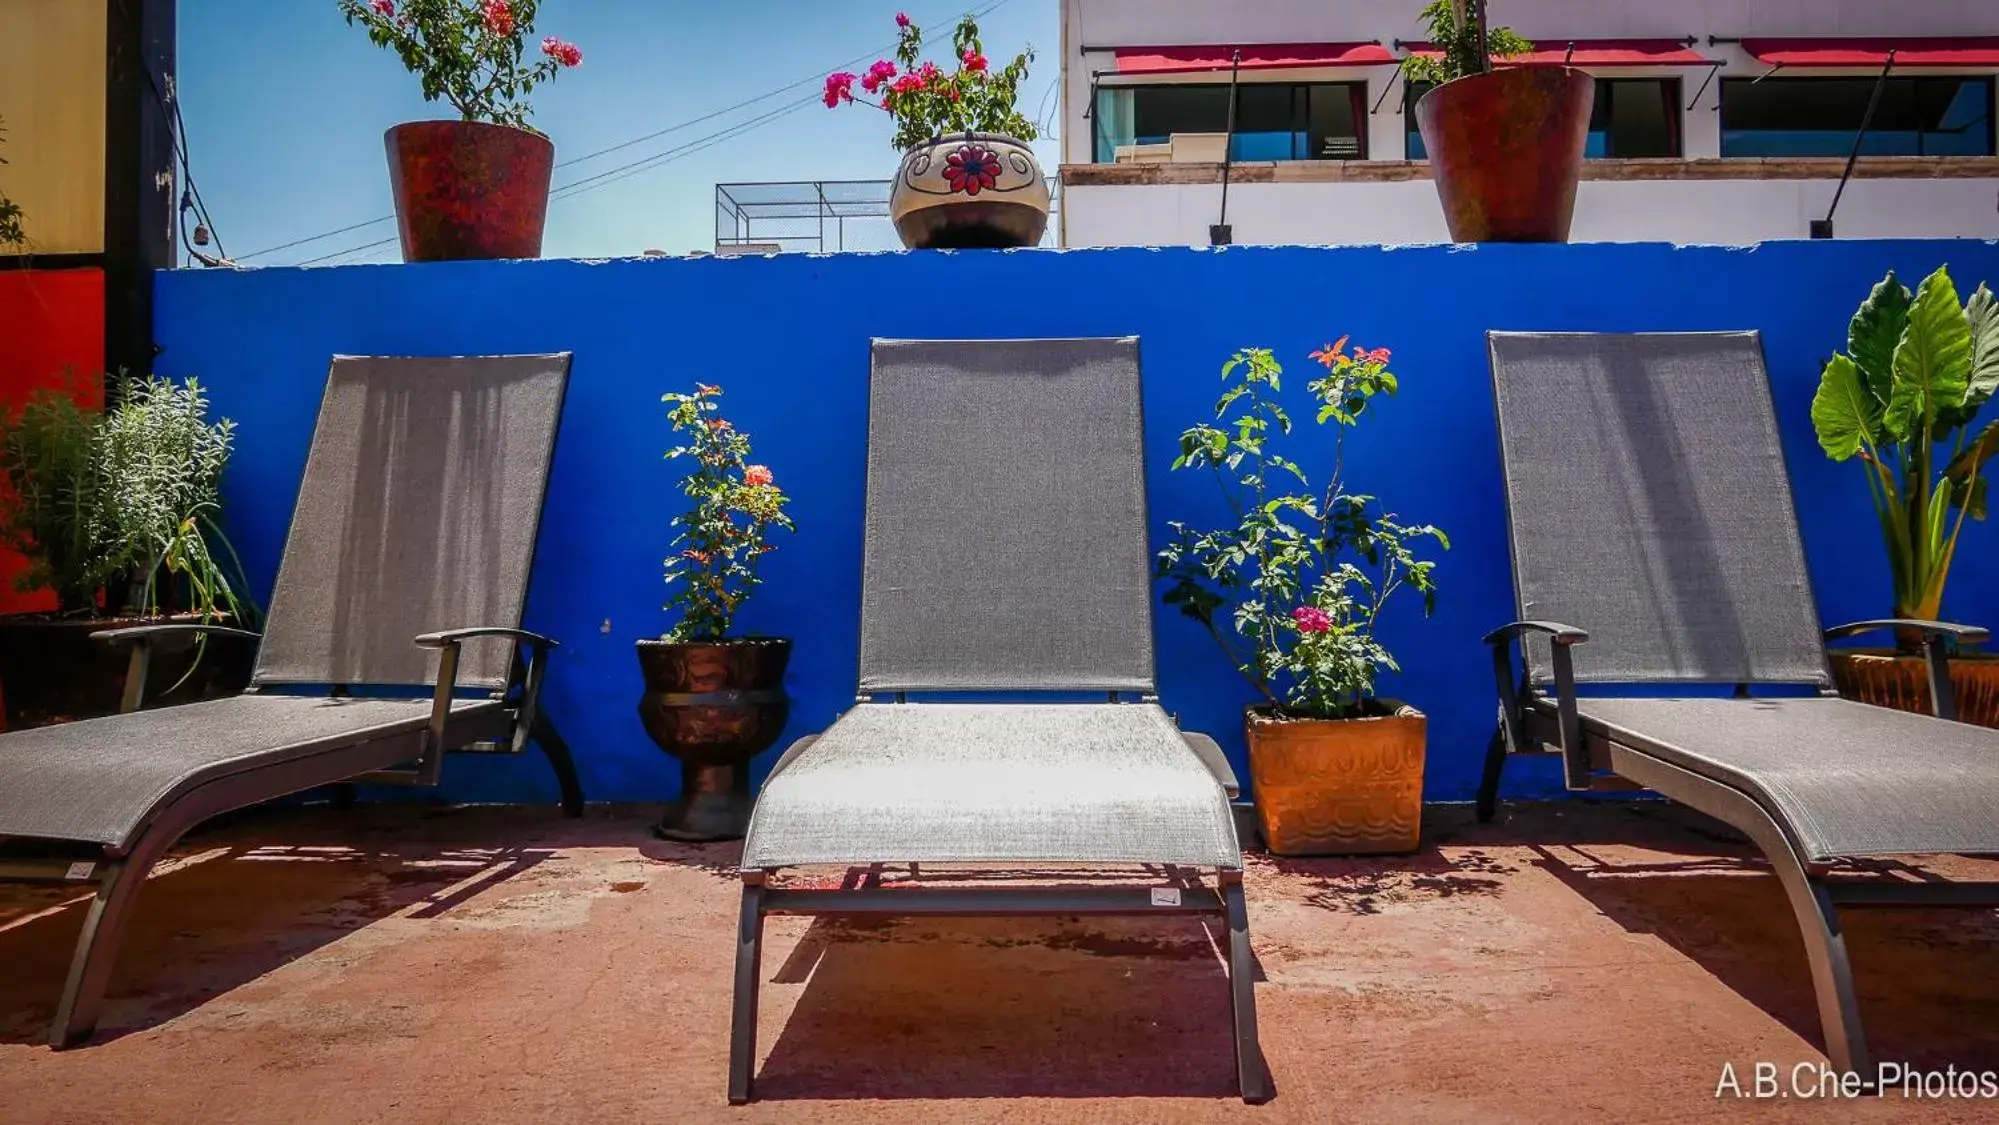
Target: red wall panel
[(51, 335)]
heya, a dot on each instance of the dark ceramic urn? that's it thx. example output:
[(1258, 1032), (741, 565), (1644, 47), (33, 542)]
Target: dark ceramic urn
[(714, 705)]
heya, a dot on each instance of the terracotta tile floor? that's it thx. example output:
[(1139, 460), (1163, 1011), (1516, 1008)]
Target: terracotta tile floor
[(1576, 962)]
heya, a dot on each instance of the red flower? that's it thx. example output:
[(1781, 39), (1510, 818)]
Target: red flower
[(385, 8), (975, 62), (972, 169), (902, 19), (757, 475), (1311, 619), (930, 75), (907, 84), (839, 88), (568, 54), (499, 18), (1378, 355), (877, 75)]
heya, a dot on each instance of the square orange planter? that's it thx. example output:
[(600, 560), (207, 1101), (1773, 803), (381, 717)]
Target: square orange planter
[(1339, 786)]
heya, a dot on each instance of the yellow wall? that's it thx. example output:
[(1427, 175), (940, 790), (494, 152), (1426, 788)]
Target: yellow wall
[(52, 108)]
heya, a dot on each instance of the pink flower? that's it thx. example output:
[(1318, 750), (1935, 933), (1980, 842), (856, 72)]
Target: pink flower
[(907, 84), (1311, 619), (902, 19), (499, 18), (877, 75), (757, 475), (839, 88), (1378, 355), (385, 8), (975, 62), (568, 54)]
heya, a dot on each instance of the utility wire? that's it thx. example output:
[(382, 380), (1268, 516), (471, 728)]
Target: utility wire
[(611, 175)]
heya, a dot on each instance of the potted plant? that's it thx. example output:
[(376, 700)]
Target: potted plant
[(1904, 398), (476, 187), (712, 699), (1505, 146), (968, 178), (1301, 580), (117, 515)]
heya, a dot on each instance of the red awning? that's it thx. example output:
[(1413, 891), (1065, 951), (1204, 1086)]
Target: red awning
[(1259, 56), (1597, 52), (1970, 52)]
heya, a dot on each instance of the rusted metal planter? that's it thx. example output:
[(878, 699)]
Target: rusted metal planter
[(468, 189), (52, 672), (714, 706), (1888, 679), (970, 191), (1338, 786), (1506, 149)]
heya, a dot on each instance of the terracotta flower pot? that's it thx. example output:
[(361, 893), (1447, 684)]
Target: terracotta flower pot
[(468, 189), (970, 191), (1338, 786), (1887, 679), (1506, 149), (714, 706)]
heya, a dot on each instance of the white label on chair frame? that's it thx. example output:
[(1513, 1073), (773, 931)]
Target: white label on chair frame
[(80, 871), (1165, 896)]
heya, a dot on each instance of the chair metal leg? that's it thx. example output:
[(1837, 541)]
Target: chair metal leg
[(1832, 973), (749, 968), (1251, 1077), (1488, 786), (96, 952), (557, 751)]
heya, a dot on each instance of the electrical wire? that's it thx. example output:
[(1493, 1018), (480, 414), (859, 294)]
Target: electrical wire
[(613, 175)]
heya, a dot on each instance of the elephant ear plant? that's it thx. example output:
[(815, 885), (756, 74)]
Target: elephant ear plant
[(1303, 575), (1904, 398)]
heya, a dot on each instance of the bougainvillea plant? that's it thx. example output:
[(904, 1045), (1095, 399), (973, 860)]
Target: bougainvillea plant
[(1303, 574), (724, 536), (467, 52), (927, 101)]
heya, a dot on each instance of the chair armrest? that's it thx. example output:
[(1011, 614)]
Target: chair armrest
[(1557, 632), (444, 637), (137, 634), (1964, 634)]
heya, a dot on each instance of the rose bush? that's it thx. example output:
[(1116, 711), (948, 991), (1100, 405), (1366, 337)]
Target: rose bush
[(724, 536), (467, 52)]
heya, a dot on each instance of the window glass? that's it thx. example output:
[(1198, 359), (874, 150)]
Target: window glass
[(1273, 121), (1919, 115), (1633, 117)]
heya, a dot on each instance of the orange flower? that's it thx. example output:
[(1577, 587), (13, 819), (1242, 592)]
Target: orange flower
[(1330, 355)]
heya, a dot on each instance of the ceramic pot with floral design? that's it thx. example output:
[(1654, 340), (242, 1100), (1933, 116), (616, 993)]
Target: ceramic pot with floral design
[(970, 191), (469, 189)]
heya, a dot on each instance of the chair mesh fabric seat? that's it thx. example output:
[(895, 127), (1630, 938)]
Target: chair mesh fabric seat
[(1084, 783), (96, 781), (1846, 778), (1646, 489)]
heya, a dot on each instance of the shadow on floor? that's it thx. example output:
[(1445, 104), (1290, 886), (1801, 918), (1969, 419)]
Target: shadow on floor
[(219, 914)]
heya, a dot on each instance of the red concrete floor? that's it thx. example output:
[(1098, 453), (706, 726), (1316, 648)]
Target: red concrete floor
[(1576, 963)]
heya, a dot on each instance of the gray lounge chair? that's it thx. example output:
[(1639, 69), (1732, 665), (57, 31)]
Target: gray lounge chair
[(405, 571), (1005, 553), (1649, 505)]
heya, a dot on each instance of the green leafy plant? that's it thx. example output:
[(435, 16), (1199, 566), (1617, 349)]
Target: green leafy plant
[(1903, 398), (1455, 31), (725, 535), (467, 52), (124, 502), (928, 102), (12, 232), (1303, 575)]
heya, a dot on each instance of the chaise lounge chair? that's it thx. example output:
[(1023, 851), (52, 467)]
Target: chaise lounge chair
[(405, 571), (1005, 555), (1649, 505)]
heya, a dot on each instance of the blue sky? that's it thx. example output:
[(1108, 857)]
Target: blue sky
[(286, 106)]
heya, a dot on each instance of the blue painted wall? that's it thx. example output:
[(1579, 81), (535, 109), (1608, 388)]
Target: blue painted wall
[(788, 338)]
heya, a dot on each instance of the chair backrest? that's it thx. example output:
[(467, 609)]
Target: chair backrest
[(418, 512), (1006, 535), (1649, 505)]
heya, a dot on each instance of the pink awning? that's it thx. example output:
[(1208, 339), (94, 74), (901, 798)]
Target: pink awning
[(1597, 52), (1971, 52), (1259, 56)]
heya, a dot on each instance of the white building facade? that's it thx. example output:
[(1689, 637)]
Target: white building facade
[(1717, 121)]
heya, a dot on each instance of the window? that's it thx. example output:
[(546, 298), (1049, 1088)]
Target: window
[(1634, 117), (1918, 116), (1274, 121)]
